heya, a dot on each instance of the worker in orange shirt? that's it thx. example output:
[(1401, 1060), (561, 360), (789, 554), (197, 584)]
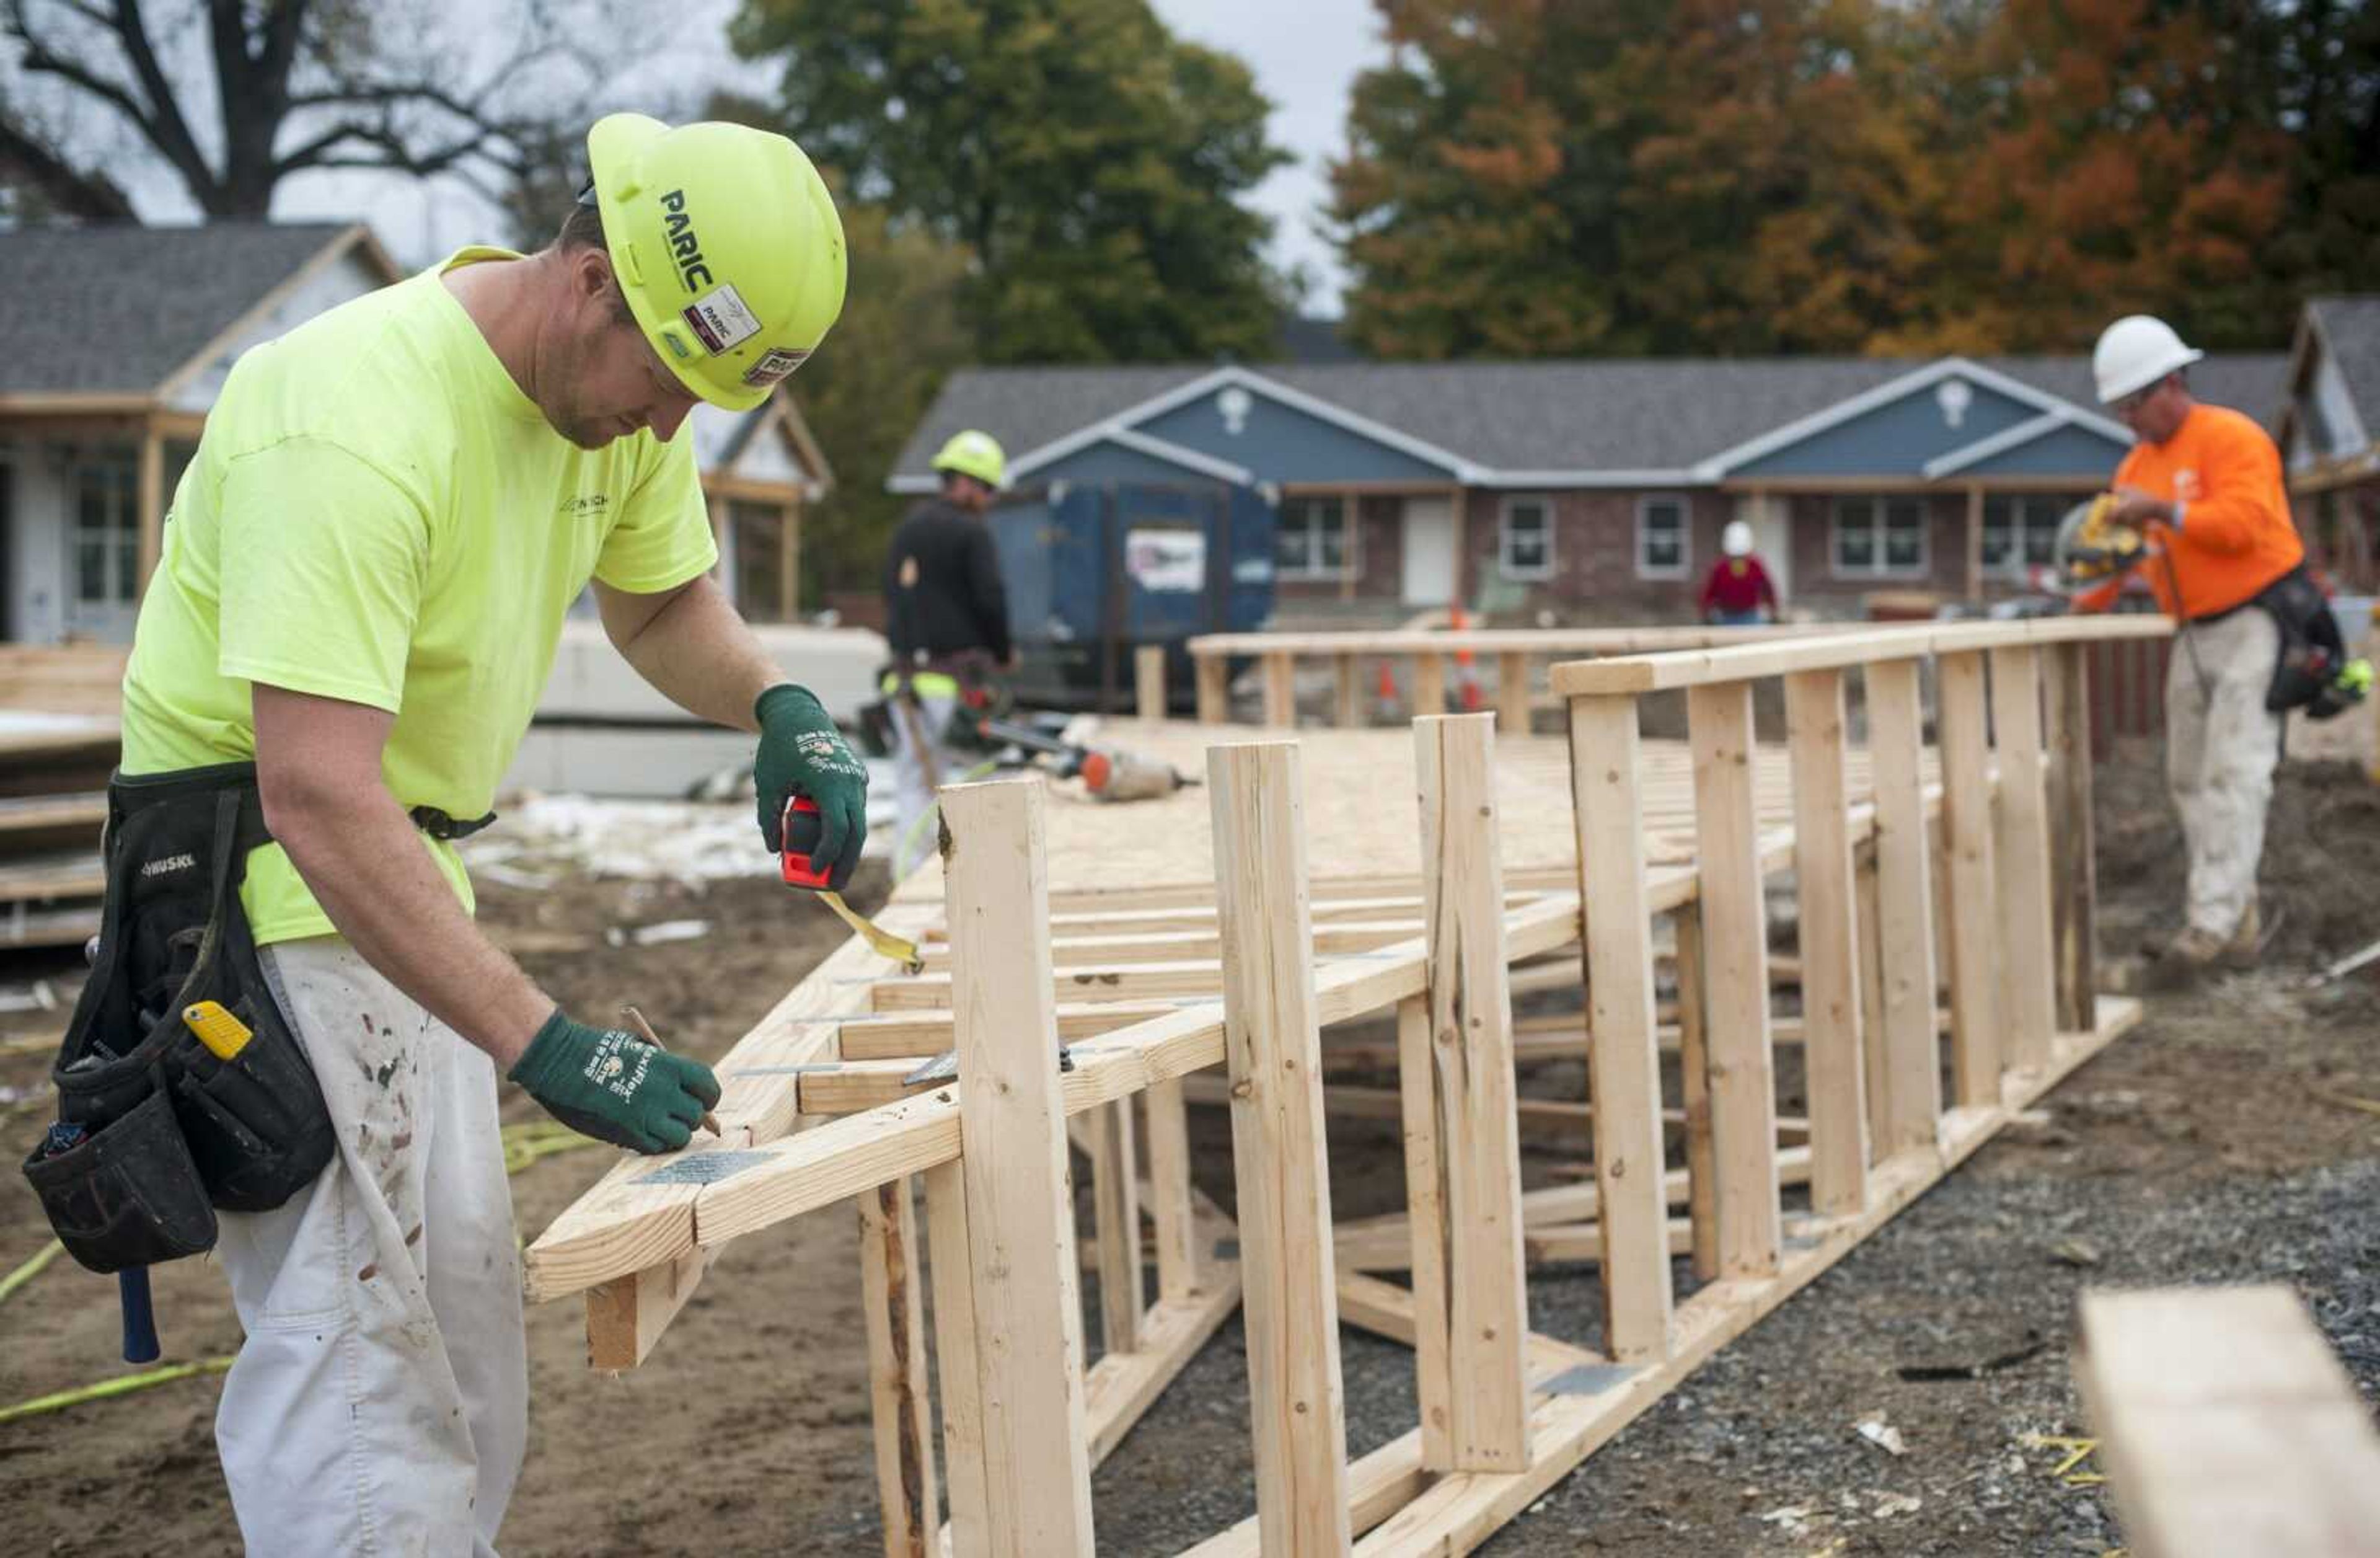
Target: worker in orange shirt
[(2203, 487)]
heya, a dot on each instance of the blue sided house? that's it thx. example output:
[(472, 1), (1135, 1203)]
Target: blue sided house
[(1595, 490)]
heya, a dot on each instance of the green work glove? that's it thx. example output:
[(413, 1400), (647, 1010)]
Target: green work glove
[(615, 1087), (802, 754)]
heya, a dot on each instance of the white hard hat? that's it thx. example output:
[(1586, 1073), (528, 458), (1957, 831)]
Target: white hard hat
[(2135, 352), (1736, 540)]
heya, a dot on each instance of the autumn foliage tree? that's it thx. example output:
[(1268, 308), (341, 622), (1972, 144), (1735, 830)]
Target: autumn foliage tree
[(1526, 177)]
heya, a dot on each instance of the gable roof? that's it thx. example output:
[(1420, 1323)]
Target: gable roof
[(119, 310), (1662, 418), (2349, 328)]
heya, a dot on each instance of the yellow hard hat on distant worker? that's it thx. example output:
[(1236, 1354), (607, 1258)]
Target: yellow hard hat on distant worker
[(727, 244), (974, 454)]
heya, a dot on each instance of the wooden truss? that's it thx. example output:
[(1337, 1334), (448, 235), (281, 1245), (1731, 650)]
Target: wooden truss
[(1147, 987)]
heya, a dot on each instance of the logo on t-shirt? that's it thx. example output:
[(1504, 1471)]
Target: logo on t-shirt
[(585, 503), (2185, 485)]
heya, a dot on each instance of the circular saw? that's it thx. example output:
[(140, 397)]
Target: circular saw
[(2090, 551)]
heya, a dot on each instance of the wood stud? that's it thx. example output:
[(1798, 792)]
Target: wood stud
[(1473, 1096), (1022, 1422), (1272, 1047), (1971, 922)]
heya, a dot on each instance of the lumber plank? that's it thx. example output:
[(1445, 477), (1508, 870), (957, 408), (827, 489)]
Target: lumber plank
[(1971, 917), (1829, 929), (2076, 870), (1624, 1065), (1279, 1154), (900, 1397), (1425, 1234), (1149, 681), (959, 1367), (2226, 1426), (1115, 1199), (1912, 1091), (2028, 950), (1429, 683), (1874, 1072), (1020, 1210), (1279, 691), (1867, 645), (1694, 1085), (1347, 692), (1473, 1092), (1735, 979), (1214, 678), (1170, 1191), (1513, 691)]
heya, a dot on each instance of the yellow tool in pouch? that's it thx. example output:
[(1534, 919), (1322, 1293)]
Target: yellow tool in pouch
[(220, 1032)]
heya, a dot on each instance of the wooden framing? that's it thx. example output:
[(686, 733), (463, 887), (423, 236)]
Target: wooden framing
[(2225, 1424), (1244, 977)]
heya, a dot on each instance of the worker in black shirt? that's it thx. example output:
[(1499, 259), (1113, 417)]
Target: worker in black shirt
[(947, 618)]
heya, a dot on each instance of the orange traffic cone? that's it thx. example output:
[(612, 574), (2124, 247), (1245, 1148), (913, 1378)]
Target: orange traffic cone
[(1385, 693)]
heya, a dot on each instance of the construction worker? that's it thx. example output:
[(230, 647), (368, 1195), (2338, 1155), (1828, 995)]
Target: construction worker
[(946, 617), (2203, 487), (1738, 587), (361, 591)]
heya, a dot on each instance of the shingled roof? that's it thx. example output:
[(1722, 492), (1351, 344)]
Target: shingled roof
[(1568, 415), (2351, 328), (116, 308)]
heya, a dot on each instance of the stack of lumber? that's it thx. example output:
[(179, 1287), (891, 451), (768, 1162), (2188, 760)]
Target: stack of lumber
[(58, 741)]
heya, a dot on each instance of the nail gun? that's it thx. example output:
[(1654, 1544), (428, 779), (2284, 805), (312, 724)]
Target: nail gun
[(1108, 775)]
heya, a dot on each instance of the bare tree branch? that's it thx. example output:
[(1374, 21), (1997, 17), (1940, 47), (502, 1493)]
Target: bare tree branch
[(32, 165), (305, 84)]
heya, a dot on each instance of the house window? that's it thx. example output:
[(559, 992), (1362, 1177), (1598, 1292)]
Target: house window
[(1661, 546), (1527, 549), (1313, 540), (105, 535), (1880, 538), (2020, 530)]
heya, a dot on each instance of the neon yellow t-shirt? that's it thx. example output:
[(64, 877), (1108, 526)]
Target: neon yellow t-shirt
[(378, 514)]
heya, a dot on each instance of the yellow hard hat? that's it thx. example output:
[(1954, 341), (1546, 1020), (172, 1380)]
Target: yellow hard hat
[(726, 246), (974, 454)]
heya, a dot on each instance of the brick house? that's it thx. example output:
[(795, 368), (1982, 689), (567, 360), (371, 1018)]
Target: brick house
[(1592, 489)]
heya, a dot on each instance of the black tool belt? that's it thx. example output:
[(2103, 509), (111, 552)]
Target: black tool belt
[(2312, 647), (170, 1131)]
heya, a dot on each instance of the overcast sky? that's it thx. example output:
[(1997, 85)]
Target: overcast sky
[(1306, 55)]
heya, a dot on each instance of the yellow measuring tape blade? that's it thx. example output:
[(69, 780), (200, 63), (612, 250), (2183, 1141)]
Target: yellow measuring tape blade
[(886, 943)]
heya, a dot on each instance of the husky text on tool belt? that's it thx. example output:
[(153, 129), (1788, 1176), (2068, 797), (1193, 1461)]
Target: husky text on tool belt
[(174, 1130)]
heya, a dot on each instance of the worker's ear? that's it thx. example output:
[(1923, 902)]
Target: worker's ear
[(594, 294)]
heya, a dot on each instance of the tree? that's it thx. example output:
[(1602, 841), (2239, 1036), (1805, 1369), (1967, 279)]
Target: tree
[(1636, 175), (1088, 162), (2131, 158), (414, 89)]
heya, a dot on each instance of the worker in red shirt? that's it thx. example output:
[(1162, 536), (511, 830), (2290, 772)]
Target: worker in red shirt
[(2203, 487), (1738, 587)]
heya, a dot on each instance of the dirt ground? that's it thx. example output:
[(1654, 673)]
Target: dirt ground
[(2208, 1146)]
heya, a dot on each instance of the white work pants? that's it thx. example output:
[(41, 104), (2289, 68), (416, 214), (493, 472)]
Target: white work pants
[(912, 790), (2221, 747), (379, 1404)]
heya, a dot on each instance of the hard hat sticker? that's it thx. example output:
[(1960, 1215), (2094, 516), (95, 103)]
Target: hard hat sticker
[(773, 365), (719, 320)]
